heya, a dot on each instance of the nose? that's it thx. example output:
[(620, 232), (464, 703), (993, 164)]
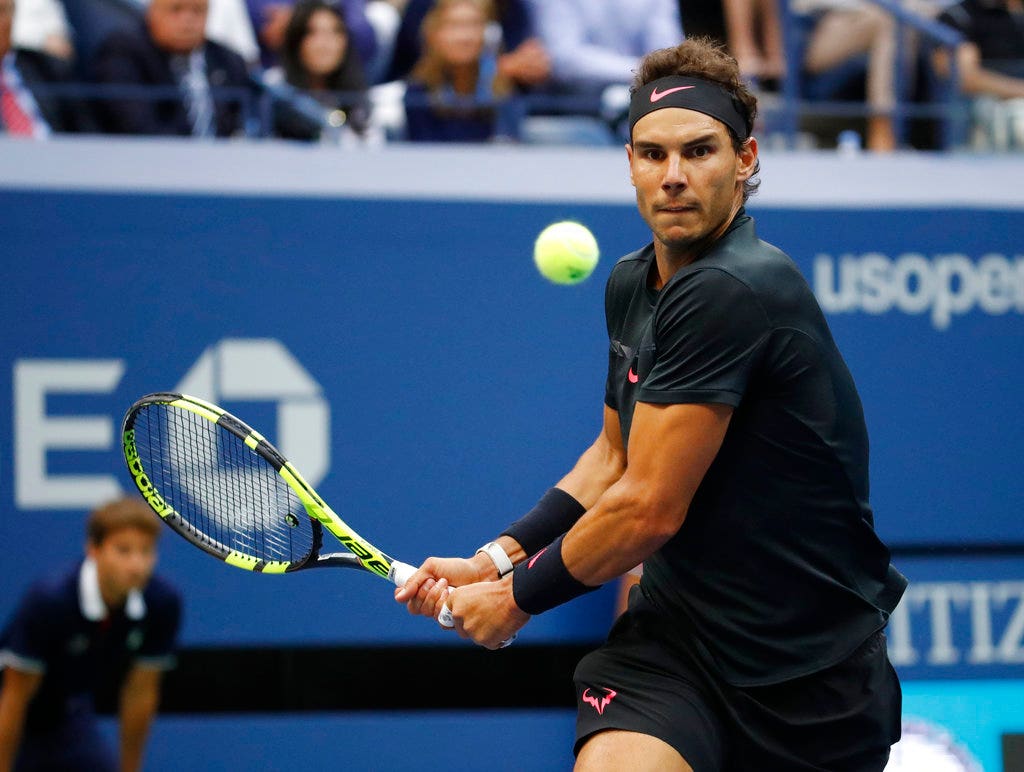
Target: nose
[(675, 176)]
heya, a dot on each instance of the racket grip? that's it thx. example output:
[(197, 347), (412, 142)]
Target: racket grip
[(400, 573), (445, 617)]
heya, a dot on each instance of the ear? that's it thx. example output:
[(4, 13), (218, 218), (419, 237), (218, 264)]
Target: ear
[(747, 160), (629, 158)]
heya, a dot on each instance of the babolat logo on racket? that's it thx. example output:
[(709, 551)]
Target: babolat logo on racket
[(142, 482), (367, 558)]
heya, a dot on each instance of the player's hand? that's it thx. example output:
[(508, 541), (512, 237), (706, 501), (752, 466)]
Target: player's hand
[(427, 590), (487, 613)]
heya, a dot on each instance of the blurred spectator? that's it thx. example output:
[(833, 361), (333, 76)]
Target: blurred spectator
[(754, 38), (844, 30), (991, 59), (523, 59), (41, 25), (991, 67), (455, 93), (168, 51), (26, 107), (106, 624), (596, 44), (316, 58), (228, 23), (270, 20)]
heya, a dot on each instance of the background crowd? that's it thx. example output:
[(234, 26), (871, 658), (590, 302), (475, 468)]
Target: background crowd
[(900, 73)]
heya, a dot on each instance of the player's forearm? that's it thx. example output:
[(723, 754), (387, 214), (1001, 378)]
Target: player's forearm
[(600, 467), (597, 469), (619, 532)]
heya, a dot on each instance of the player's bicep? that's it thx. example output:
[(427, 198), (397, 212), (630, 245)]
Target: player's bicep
[(671, 448)]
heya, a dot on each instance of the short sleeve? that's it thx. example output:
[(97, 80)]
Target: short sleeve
[(709, 329)]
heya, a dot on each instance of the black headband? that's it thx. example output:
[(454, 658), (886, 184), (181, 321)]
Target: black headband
[(691, 94)]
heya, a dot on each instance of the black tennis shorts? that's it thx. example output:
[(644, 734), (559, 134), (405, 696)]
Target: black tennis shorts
[(842, 719)]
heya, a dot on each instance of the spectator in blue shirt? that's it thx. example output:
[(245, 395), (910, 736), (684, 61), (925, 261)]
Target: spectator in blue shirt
[(105, 621), (597, 44)]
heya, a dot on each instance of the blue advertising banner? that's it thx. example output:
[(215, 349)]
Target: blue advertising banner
[(405, 353)]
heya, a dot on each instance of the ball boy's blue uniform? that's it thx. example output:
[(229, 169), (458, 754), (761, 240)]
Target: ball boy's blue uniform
[(63, 630)]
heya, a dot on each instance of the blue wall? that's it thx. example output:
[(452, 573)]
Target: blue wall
[(457, 384)]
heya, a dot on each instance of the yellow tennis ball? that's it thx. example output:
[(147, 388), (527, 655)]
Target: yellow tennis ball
[(566, 252)]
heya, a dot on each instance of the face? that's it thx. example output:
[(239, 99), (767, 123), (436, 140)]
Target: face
[(688, 179), (459, 33), (124, 561), (324, 44), (6, 19), (178, 26)]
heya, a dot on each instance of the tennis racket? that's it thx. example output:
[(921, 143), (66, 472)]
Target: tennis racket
[(229, 492)]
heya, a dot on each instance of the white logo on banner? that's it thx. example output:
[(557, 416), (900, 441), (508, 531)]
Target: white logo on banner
[(972, 623), (942, 286), (233, 369), (264, 370)]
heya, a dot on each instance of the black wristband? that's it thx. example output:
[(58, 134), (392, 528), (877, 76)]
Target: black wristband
[(543, 581), (553, 515)]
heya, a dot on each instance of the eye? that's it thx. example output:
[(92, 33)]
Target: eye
[(701, 151)]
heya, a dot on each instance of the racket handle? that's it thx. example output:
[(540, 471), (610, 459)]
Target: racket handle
[(400, 573)]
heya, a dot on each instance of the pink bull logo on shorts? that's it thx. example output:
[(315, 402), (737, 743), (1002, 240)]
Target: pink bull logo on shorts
[(599, 703)]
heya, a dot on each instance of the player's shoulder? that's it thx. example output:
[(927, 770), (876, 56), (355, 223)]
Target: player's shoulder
[(640, 256), (741, 257), (627, 267)]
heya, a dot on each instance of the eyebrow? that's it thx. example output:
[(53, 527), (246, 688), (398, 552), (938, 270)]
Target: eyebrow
[(702, 139)]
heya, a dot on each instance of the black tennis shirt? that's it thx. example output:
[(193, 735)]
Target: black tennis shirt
[(777, 571)]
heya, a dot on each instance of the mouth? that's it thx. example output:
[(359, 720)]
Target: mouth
[(677, 208)]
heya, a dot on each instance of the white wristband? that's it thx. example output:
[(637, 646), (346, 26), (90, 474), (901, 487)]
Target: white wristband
[(498, 556)]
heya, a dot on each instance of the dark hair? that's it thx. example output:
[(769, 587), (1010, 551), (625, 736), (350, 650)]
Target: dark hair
[(346, 85), (128, 512), (702, 57)]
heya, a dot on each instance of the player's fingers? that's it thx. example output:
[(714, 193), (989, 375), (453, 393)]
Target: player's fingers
[(457, 622), (436, 598), (415, 602), (413, 584)]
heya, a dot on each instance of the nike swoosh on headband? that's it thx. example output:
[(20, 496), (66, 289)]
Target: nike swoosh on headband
[(658, 95)]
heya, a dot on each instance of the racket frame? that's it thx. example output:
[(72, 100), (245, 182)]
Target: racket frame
[(362, 555)]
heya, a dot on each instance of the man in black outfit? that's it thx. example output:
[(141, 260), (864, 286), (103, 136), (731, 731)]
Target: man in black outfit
[(198, 86), (733, 463)]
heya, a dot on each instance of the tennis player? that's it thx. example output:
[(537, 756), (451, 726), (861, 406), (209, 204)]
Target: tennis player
[(732, 462), (108, 622)]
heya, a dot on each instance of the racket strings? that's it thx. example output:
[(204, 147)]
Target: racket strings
[(225, 494)]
